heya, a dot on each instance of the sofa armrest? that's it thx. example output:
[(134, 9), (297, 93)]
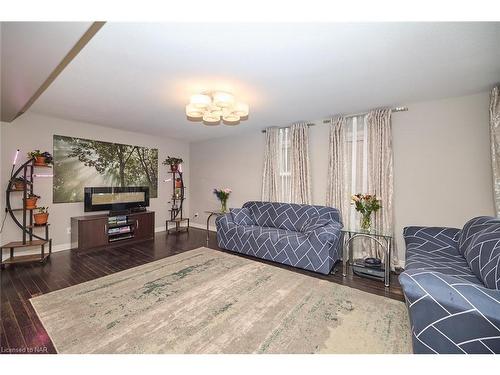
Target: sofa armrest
[(224, 220), (431, 237), (328, 232), (451, 315)]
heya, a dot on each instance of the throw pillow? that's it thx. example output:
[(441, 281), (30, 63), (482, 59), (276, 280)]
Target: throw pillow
[(472, 228), (483, 256), (242, 216)]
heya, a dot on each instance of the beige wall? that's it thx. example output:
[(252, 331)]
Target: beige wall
[(442, 173), (33, 131)]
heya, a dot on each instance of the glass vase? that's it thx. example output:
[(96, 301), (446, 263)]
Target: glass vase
[(223, 203), (366, 222)]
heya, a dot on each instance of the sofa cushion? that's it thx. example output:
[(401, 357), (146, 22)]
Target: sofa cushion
[(447, 264), (483, 256), (242, 216), (472, 228), (289, 216)]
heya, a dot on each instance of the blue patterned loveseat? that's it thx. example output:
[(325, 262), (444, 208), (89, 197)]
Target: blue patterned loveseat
[(302, 236), (451, 285)]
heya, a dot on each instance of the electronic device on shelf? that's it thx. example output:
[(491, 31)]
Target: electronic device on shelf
[(369, 269), (116, 199), (373, 262)]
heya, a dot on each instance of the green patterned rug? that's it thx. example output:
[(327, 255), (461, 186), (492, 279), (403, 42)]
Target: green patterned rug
[(207, 301)]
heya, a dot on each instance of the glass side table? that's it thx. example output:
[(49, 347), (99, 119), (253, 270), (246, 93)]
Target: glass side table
[(212, 213), (381, 238)]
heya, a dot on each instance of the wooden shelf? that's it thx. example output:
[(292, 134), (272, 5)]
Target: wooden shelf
[(37, 225), (178, 220), (17, 244), (25, 258), (42, 165)]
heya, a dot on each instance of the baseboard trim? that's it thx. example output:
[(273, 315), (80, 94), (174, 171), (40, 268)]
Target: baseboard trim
[(212, 228)]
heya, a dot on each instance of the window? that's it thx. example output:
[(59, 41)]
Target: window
[(284, 165), (356, 159)]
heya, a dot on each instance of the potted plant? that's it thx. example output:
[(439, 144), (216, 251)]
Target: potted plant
[(41, 158), (365, 204), (30, 201), (173, 163), (19, 183), (42, 216), (223, 196)]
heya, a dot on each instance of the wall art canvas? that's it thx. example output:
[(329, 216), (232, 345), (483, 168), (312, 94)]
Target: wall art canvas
[(80, 163)]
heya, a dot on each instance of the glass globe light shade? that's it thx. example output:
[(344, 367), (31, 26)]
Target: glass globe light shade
[(194, 112), (240, 109), (211, 119), (231, 117), (223, 99), (200, 100), (214, 110)]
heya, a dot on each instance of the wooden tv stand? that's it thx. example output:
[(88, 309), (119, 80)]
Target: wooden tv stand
[(94, 231)]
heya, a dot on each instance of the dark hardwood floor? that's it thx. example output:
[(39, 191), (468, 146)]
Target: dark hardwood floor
[(22, 332)]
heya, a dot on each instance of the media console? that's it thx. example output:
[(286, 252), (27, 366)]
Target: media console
[(96, 231)]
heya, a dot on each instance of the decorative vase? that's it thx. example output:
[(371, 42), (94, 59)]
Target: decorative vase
[(41, 218), (19, 185), (366, 221), (223, 205), (30, 203), (40, 160)]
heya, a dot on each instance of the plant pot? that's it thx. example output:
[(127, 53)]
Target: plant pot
[(41, 218), (174, 167), (19, 185), (30, 203), (40, 160)]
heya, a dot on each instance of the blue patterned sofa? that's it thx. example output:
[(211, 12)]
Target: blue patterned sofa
[(451, 285), (302, 236)]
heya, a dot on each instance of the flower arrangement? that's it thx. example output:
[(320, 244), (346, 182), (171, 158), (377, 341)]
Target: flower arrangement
[(223, 196), (365, 204)]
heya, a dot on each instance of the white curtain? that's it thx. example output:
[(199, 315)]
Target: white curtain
[(360, 161), (495, 144), (300, 178), (336, 195), (270, 176), (380, 167)]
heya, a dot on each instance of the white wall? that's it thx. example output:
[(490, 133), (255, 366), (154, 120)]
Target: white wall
[(442, 170), (33, 131)]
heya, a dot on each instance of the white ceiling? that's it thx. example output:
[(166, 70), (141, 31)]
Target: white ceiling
[(29, 53), (139, 76)]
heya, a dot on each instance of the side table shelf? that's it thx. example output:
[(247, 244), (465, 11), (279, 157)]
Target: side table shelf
[(384, 240)]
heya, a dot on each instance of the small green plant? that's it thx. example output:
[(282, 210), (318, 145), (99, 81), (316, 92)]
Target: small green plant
[(32, 196), (42, 210), (172, 161)]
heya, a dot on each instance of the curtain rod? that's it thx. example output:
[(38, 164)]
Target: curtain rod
[(327, 121)]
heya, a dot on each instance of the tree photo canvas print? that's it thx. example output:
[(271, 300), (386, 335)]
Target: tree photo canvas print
[(80, 163)]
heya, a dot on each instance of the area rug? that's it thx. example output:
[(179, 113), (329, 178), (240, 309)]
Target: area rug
[(208, 301)]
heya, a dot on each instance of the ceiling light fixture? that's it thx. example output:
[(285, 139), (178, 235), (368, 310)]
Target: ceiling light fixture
[(211, 107)]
